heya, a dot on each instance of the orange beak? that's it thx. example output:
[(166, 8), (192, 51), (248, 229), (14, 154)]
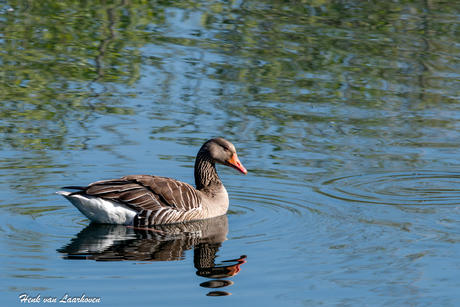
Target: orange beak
[(236, 164)]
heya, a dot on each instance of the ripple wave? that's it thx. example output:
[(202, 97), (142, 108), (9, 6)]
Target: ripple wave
[(402, 188)]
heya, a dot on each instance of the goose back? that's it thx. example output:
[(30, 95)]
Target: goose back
[(158, 200)]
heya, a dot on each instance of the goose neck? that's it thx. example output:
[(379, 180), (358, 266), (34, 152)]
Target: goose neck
[(205, 172)]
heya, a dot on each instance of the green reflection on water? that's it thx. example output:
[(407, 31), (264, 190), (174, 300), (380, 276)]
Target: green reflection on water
[(309, 72)]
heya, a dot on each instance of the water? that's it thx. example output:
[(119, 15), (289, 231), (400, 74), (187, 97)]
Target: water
[(345, 115)]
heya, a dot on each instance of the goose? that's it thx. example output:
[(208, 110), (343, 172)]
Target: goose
[(144, 200)]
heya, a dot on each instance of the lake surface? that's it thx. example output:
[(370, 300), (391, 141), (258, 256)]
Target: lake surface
[(345, 114)]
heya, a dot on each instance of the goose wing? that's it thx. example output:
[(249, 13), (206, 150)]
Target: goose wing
[(146, 193)]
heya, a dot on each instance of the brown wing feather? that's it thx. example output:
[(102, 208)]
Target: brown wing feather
[(145, 192)]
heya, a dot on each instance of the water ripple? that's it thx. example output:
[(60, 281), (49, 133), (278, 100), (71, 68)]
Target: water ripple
[(402, 188), (273, 215)]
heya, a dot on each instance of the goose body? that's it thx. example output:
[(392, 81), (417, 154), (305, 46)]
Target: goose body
[(142, 200)]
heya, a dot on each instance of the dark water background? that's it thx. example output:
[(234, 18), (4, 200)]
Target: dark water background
[(345, 113)]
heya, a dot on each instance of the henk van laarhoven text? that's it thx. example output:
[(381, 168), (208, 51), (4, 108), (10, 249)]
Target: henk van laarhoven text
[(25, 298)]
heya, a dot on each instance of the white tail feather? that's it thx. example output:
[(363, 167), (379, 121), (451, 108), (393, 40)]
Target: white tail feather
[(101, 210)]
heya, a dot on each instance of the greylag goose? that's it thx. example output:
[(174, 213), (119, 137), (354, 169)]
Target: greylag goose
[(142, 200)]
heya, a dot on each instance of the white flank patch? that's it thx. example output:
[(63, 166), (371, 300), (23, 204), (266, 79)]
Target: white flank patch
[(100, 210)]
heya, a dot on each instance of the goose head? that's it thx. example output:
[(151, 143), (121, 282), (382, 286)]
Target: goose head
[(223, 152)]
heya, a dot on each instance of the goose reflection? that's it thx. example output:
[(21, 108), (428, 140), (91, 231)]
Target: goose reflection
[(101, 242)]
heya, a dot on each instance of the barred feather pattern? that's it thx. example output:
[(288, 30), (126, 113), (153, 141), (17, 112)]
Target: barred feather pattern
[(205, 172), (158, 200)]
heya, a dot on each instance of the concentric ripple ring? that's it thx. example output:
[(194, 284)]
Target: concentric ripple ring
[(402, 188)]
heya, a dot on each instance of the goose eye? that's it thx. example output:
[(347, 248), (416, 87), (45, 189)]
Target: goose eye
[(226, 148)]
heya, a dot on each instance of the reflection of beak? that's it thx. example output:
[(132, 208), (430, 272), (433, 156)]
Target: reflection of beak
[(236, 164), (235, 269)]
